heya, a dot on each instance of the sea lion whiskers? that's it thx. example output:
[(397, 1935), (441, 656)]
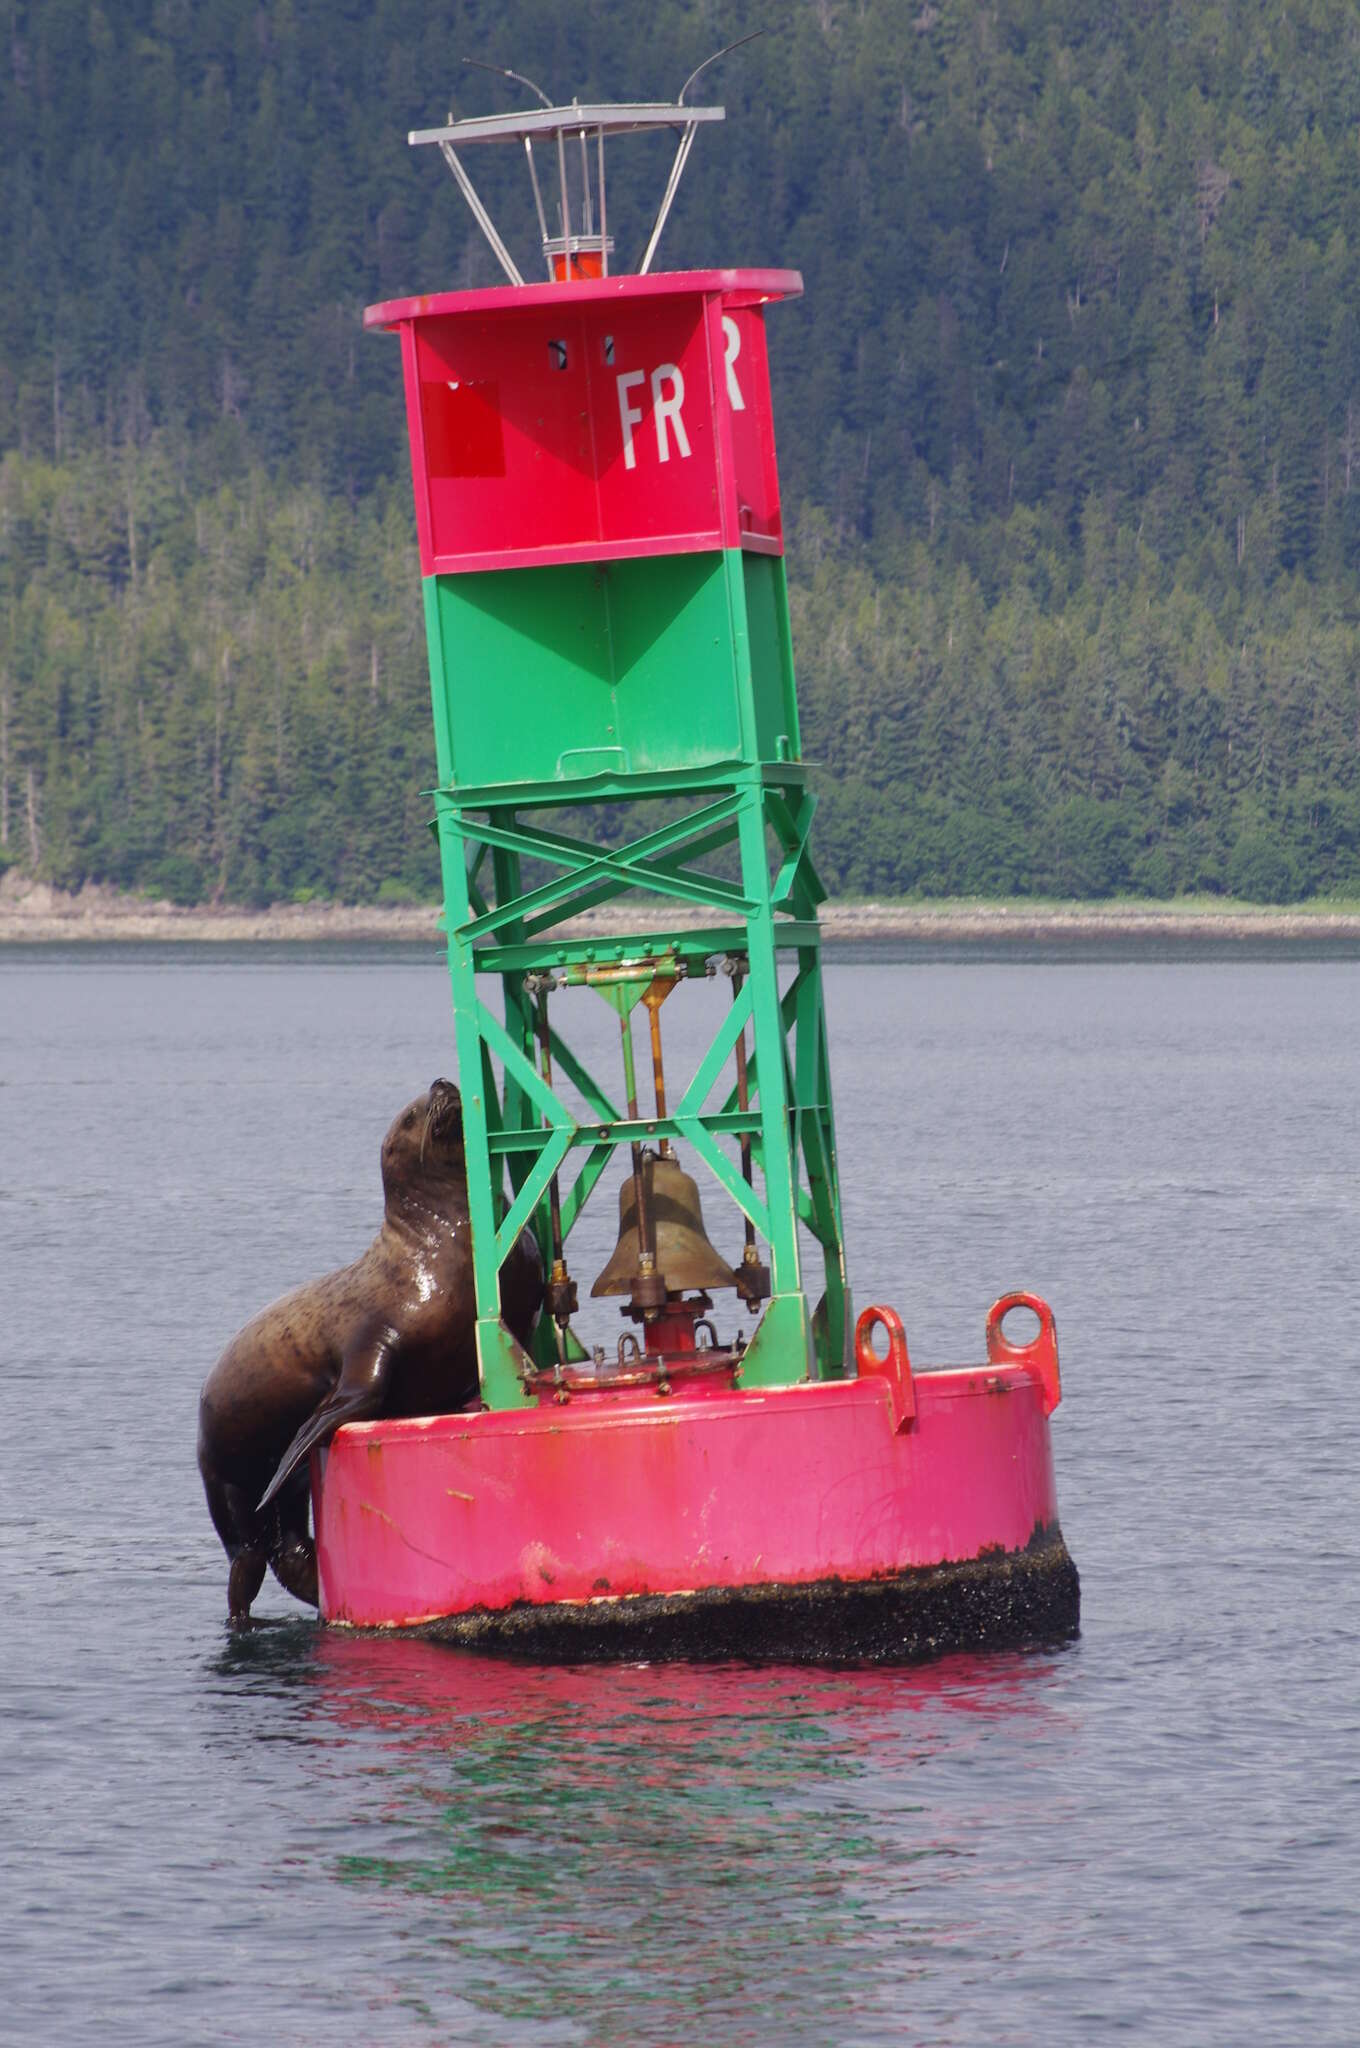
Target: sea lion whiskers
[(443, 1114)]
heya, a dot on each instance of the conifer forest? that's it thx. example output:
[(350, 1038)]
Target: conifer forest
[(1069, 424)]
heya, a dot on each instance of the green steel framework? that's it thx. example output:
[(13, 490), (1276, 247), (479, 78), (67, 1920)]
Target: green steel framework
[(665, 683)]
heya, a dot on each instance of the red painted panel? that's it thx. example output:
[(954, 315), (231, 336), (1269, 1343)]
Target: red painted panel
[(538, 485), (590, 421), (419, 1519), (652, 407), (743, 377)]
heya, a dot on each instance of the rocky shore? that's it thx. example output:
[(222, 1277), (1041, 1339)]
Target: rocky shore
[(33, 912)]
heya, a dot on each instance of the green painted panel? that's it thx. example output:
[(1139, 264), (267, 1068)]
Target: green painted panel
[(781, 1351), (767, 624), (561, 673)]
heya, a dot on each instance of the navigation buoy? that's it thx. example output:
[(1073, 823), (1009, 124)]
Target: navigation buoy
[(602, 547)]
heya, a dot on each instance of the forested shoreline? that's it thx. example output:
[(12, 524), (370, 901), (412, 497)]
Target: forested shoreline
[(1069, 425)]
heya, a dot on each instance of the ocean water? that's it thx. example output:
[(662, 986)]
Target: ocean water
[(298, 1836)]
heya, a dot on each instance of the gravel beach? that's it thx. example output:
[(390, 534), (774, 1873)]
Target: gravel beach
[(34, 912)]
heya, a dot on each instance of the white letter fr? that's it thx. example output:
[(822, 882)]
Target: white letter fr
[(629, 414), (732, 339), (667, 411)]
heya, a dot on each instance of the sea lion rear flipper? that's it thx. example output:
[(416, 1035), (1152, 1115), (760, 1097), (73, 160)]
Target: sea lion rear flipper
[(242, 1539), (357, 1394)]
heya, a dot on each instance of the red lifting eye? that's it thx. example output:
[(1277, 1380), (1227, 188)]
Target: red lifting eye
[(1039, 1356), (894, 1366)]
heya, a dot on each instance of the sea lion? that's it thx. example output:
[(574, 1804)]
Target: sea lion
[(392, 1335)]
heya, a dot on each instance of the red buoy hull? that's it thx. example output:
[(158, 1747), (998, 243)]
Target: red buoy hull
[(597, 1504)]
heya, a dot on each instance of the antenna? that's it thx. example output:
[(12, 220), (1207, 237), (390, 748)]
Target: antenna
[(504, 71), (725, 51)]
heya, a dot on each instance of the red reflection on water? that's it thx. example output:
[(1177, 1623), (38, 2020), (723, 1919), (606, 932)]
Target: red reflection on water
[(412, 1689)]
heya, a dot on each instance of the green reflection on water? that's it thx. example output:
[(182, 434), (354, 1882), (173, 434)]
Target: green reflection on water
[(607, 1855)]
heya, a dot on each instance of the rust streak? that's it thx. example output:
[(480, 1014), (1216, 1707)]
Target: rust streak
[(366, 1507)]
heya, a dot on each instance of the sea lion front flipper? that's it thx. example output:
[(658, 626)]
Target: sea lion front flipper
[(357, 1394)]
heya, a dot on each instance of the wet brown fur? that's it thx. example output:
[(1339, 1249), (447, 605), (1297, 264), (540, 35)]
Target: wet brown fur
[(390, 1335)]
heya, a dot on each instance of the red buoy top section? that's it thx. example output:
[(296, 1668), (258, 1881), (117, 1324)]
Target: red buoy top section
[(592, 419)]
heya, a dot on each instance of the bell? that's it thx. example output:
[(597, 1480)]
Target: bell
[(684, 1256)]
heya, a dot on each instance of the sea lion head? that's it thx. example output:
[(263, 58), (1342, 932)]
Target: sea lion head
[(425, 1140)]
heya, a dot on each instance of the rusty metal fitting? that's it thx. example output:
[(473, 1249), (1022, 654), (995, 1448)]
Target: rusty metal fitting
[(753, 1278), (560, 1293), (648, 1294)]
